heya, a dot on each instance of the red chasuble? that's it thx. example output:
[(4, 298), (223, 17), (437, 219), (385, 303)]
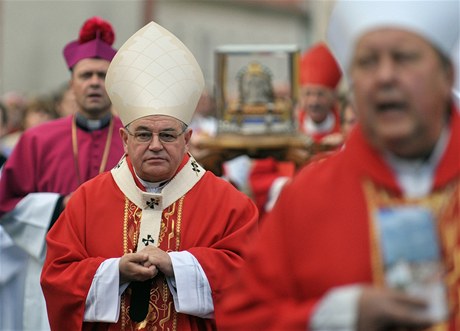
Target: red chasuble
[(320, 235), (43, 160), (213, 221), (261, 177)]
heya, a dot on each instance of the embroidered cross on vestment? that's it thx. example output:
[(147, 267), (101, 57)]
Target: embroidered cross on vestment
[(152, 203)]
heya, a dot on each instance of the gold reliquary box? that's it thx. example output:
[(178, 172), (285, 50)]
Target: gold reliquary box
[(256, 89)]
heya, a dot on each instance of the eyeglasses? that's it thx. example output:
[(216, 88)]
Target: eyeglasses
[(147, 136)]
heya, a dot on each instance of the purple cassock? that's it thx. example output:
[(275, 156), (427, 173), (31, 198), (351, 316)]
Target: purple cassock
[(41, 170), (44, 160), (49, 162)]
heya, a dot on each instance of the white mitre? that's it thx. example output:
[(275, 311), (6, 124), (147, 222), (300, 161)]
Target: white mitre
[(437, 21), (154, 73)]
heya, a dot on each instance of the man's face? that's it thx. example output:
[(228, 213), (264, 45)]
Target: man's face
[(402, 91), (88, 85), (156, 160), (317, 101)]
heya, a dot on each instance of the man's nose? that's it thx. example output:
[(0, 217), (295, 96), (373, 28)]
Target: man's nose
[(96, 79), (155, 143), (386, 70)]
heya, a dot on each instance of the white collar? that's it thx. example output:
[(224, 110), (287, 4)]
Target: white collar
[(416, 176), (153, 187), (153, 204), (180, 184), (325, 126)]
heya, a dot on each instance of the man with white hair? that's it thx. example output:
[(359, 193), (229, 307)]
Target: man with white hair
[(369, 240), (153, 244)]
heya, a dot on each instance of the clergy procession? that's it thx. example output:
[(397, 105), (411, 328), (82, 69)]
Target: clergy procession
[(112, 219)]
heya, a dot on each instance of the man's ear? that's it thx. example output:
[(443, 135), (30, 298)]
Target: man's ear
[(188, 135), (450, 75), (124, 139)]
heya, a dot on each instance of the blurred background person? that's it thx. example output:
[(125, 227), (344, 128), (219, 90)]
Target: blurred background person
[(65, 103), (37, 110), (12, 260), (318, 113), (16, 104), (204, 123), (52, 159), (3, 130), (345, 245), (348, 119), (318, 118)]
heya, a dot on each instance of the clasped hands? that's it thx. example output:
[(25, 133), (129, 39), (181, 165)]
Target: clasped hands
[(145, 264)]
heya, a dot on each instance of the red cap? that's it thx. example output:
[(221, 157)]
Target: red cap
[(95, 41), (319, 67)]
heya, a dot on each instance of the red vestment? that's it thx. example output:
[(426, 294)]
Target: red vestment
[(265, 171), (261, 177), (319, 236), (216, 221)]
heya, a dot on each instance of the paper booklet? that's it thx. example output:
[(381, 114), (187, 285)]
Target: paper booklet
[(412, 257)]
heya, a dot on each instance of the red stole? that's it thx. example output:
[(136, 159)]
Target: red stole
[(161, 315), (161, 312)]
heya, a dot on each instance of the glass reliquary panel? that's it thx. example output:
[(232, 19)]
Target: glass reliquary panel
[(256, 89)]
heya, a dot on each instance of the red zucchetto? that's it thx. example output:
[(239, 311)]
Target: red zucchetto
[(319, 67), (95, 41)]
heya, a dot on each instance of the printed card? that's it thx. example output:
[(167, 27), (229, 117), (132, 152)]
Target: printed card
[(411, 255)]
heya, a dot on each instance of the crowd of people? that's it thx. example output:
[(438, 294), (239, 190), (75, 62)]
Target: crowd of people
[(109, 222)]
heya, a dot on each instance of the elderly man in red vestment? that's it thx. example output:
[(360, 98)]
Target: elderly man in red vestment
[(369, 238), (318, 116), (51, 160), (154, 244)]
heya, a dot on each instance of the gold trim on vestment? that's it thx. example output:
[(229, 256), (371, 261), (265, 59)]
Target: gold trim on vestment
[(169, 240), (439, 203), (165, 210)]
